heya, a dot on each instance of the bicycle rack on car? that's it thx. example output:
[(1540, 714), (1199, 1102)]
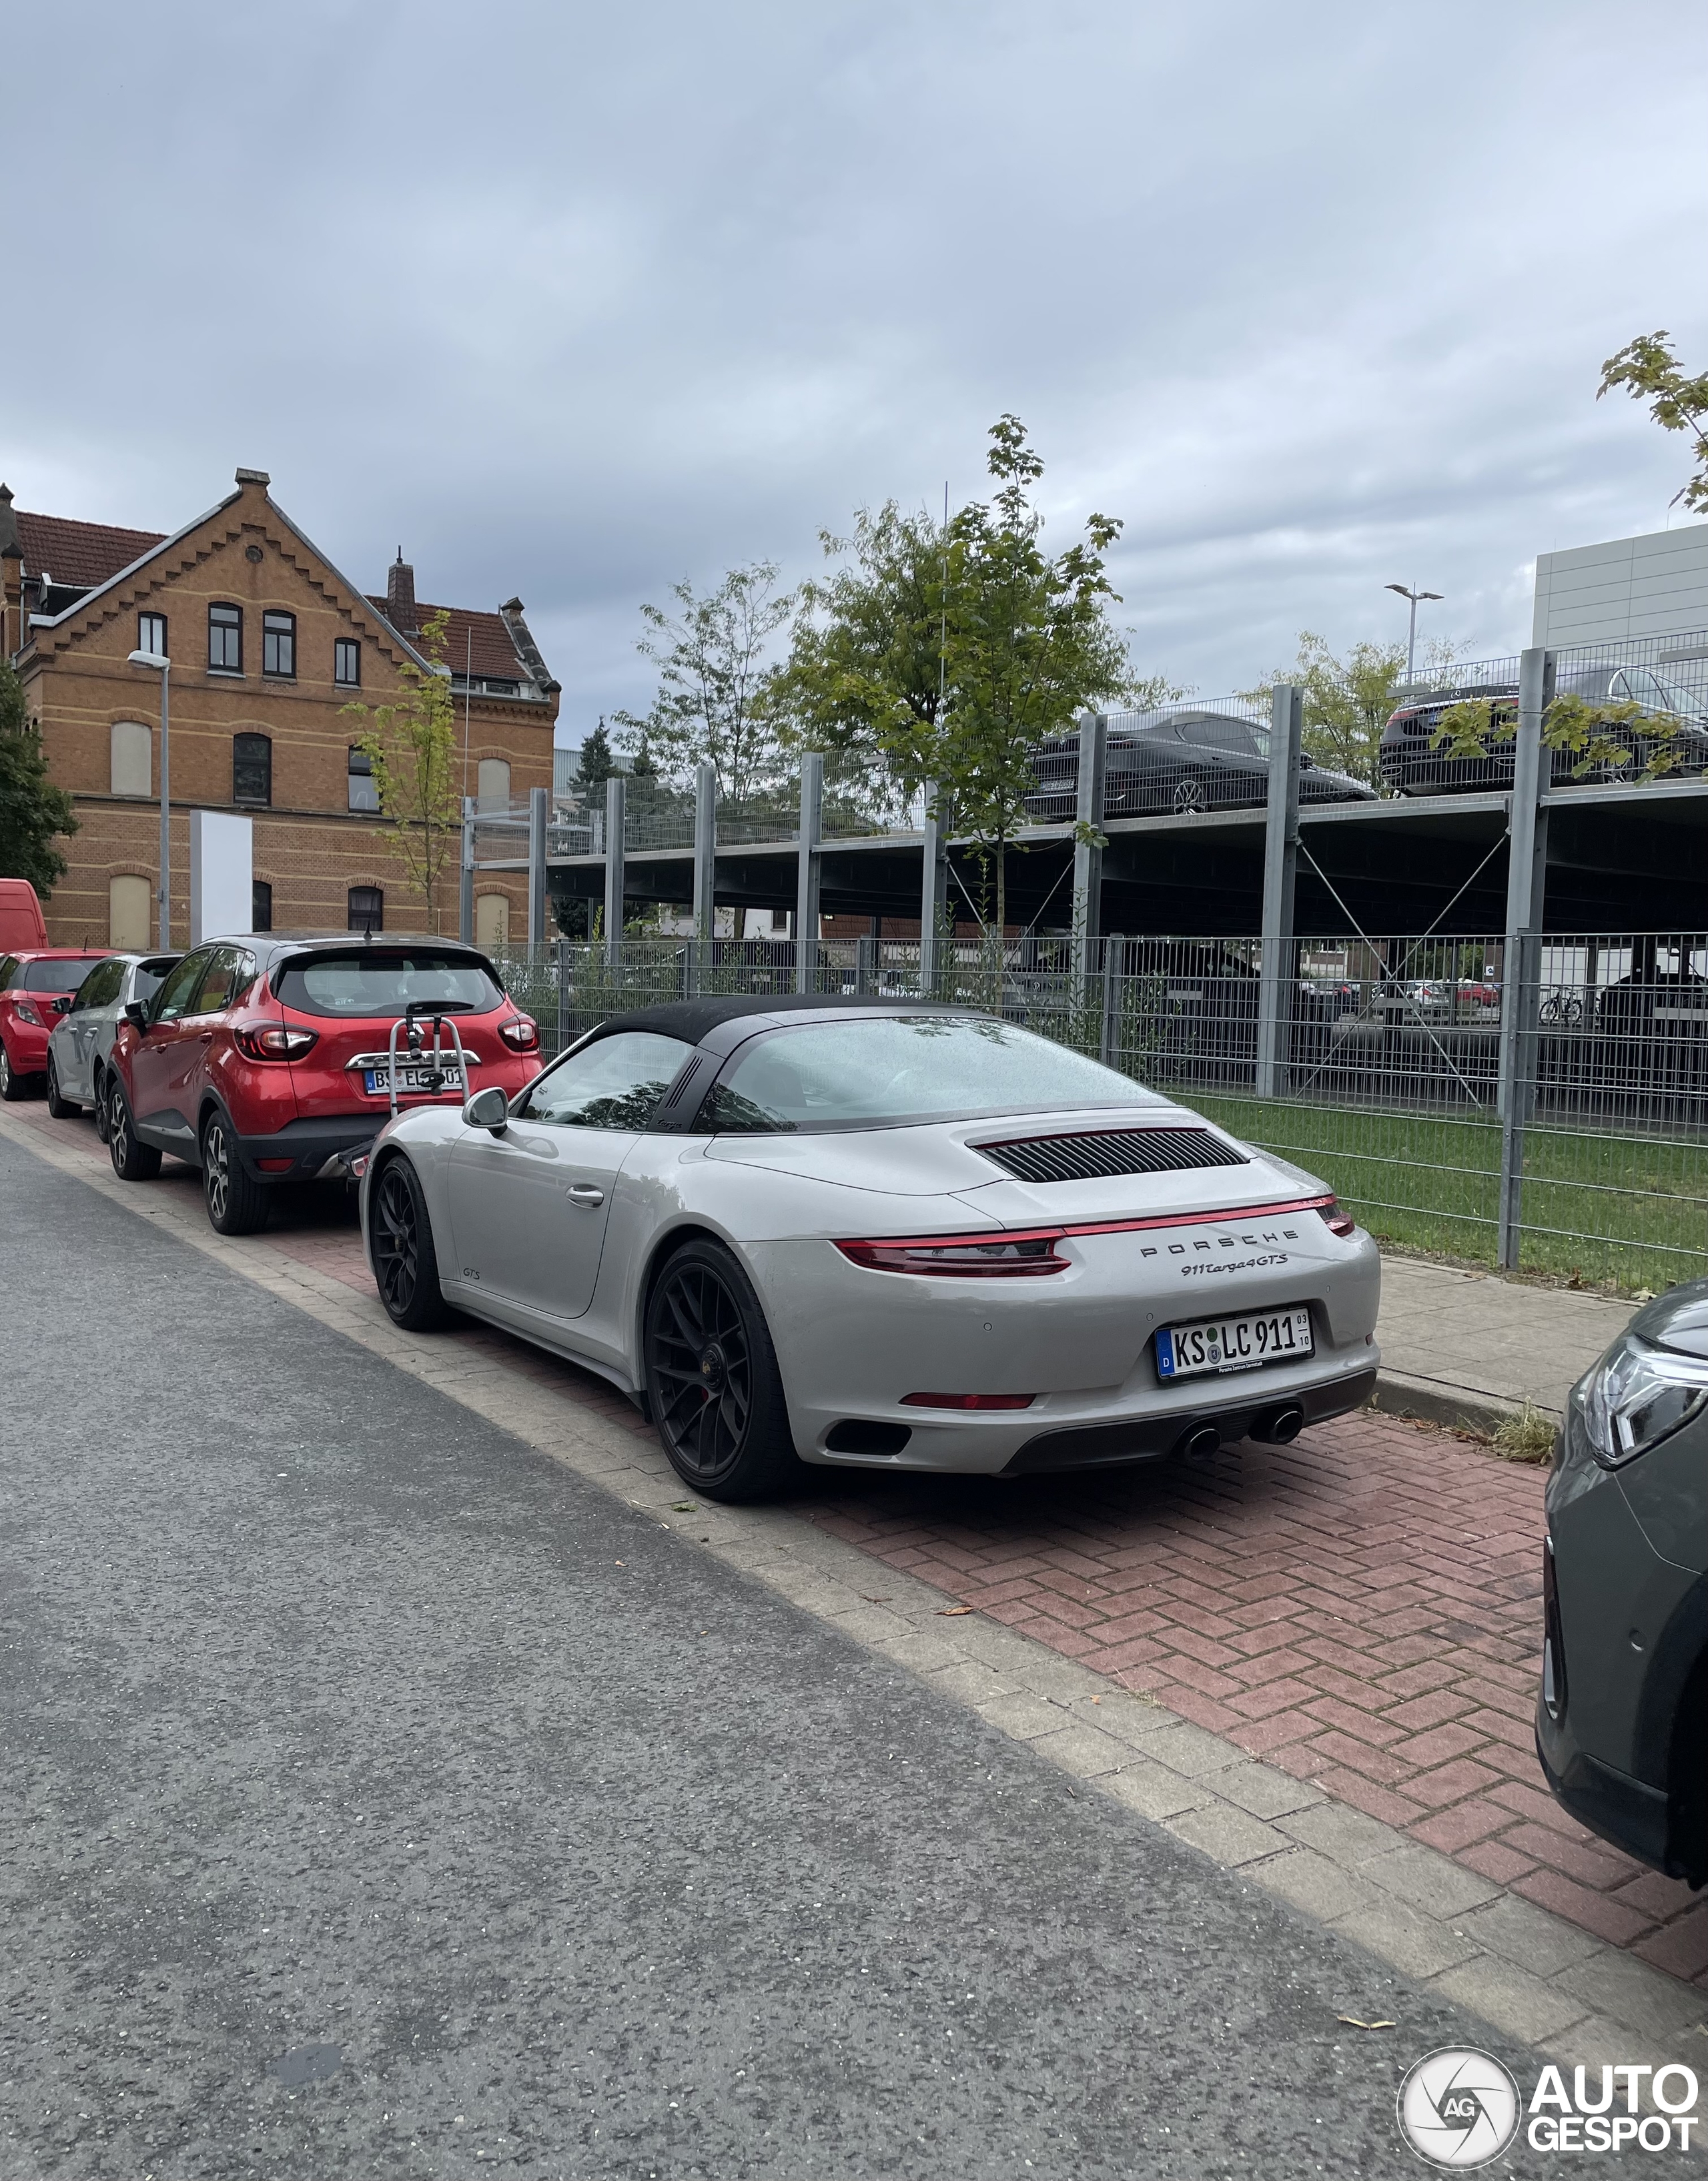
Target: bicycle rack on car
[(410, 1023)]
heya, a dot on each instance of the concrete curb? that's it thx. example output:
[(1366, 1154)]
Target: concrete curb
[(1533, 1975), (1399, 1395)]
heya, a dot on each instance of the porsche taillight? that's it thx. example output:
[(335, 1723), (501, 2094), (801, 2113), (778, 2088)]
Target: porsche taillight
[(1029, 1255), (1336, 1220)]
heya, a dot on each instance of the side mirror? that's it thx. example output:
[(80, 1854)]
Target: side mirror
[(62, 1006), (488, 1109), (137, 1014)]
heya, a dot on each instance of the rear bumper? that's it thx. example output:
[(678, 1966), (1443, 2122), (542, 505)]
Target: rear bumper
[(309, 1150), (1147, 1438)]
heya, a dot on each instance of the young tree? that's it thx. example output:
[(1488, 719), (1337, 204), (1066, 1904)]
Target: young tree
[(1647, 369), (1028, 644), (713, 658), (412, 748), (1349, 700), (33, 811)]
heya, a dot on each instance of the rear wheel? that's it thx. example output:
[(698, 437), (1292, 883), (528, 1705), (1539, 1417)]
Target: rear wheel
[(13, 1086), (237, 1204), (61, 1108), (131, 1160), (405, 1264), (711, 1371)]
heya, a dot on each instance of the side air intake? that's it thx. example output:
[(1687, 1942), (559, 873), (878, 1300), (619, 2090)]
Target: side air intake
[(1102, 1152)]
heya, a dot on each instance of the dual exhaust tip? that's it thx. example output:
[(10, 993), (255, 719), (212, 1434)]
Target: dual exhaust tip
[(1274, 1427)]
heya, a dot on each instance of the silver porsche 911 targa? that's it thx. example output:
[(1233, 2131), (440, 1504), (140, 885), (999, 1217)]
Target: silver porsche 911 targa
[(879, 1232)]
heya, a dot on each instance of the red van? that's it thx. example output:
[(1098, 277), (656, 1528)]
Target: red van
[(22, 924)]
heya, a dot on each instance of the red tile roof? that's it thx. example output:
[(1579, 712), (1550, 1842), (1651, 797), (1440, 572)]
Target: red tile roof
[(478, 641), (81, 554)]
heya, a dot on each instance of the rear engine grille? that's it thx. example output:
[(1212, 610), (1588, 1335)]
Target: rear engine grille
[(1102, 1152)]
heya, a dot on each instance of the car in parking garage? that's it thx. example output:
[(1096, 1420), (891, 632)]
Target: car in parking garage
[(1410, 765), (879, 1233), (268, 1058), (36, 989), (79, 1045), (1621, 1714), (1178, 762)]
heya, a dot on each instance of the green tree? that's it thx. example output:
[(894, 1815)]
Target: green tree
[(714, 661), (1649, 371), (1349, 698), (1027, 644), (411, 746), (595, 764), (33, 811)]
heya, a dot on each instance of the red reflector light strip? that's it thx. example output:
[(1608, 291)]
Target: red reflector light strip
[(967, 1400), (1027, 1250)]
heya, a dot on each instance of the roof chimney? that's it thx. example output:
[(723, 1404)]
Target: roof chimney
[(254, 477), (10, 550), (399, 597)]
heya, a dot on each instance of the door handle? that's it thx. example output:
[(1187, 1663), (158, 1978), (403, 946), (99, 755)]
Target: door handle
[(585, 1193)]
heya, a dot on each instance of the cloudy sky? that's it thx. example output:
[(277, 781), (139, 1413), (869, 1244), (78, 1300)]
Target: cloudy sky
[(576, 300)]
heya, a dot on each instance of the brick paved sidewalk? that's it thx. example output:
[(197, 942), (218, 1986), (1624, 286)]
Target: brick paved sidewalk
[(1361, 1609)]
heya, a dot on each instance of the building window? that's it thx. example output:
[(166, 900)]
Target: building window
[(779, 920), (347, 663), (130, 911), (151, 634), (278, 645), (492, 784), (492, 921), (367, 909), (225, 639), (364, 789), (251, 768), (132, 758), (260, 905)]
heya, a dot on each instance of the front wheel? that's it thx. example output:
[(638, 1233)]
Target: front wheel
[(131, 1160), (405, 1264), (103, 1116), (237, 1204), (711, 1372), (60, 1107)]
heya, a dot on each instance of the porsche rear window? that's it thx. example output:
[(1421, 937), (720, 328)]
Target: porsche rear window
[(55, 976), (362, 983), (877, 1070)]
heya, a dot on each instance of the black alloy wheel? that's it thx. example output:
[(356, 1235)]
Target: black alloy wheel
[(711, 1372), (103, 1117), (13, 1086), (60, 1107), (237, 1204), (131, 1160), (405, 1264)]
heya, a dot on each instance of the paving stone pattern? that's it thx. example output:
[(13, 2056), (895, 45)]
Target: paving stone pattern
[(1361, 1610)]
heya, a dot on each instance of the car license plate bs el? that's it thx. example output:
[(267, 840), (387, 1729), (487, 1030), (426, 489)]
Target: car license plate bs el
[(1233, 1344), (415, 1079)]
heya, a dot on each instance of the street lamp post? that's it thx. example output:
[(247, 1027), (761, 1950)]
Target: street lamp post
[(1412, 634), (163, 667)]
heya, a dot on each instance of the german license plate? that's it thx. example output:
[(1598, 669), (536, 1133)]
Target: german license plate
[(1234, 1343), (415, 1079)]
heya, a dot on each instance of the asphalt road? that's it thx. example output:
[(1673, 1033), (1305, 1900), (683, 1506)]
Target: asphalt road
[(379, 1799)]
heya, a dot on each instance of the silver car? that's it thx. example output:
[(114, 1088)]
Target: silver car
[(79, 1045), (879, 1232)]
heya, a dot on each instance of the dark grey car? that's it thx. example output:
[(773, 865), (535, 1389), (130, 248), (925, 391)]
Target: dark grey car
[(1621, 1719), (1180, 760), (79, 1045)]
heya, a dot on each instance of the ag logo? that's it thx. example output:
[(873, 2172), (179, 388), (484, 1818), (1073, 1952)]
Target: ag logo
[(1459, 2109)]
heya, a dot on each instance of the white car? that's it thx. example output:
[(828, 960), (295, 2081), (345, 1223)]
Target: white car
[(879, 1232), (79, 1045)]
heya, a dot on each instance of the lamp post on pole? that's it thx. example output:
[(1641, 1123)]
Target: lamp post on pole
[(155, 663), (1412, 633)]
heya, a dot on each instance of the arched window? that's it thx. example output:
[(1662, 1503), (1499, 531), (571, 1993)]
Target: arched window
[(133, 758), (129, 906), (251, 768), (491, 920), (492, 783)]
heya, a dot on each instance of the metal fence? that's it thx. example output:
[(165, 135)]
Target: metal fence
[(1549, 1113)]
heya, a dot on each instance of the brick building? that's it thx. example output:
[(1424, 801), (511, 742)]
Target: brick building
[(269, 644)]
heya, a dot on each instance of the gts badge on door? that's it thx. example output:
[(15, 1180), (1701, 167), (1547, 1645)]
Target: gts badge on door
[(470, 1273)]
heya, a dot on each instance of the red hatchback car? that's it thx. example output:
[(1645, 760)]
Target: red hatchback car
[(265, 1059), (31, 986)]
